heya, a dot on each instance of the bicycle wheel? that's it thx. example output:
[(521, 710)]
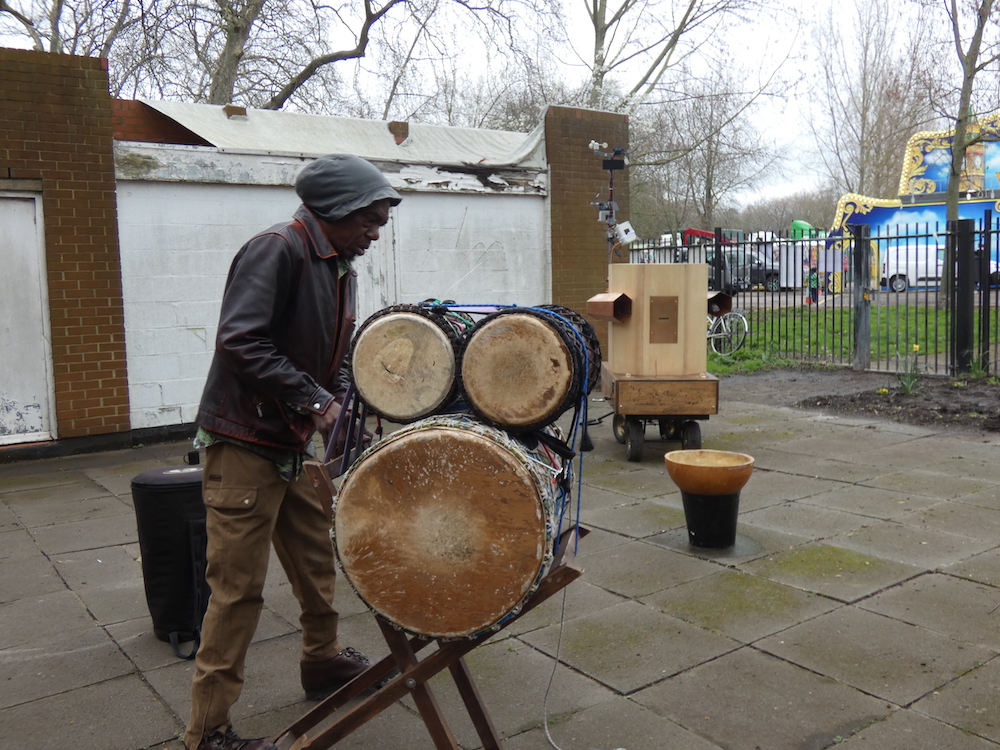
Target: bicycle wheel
[(728, 333)]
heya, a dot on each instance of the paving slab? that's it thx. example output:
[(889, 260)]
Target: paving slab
[(988, 498), (30, 475), (9, 520), (969, 702), (909, 730), (804, 519), (119, 713), (815, 467), (840, 442), (514, 681), (599, 539), (984, 568), (766, 488), (594, 498), (751, 543), (398, 726), (573, 601), (972, 521), (878, 655), (28, 575), (108, 581), (748, 700), (963, 610), (649, 481), (910, 545), (841, 574), (637, 519), (930, 483), (64, 503), (639, 569), (617, 723), (59, 664), (29, 620), (739, 605), (93, 533), (630, 645), (869, 501)]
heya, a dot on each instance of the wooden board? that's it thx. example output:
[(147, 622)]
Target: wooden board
[(631, 395), (645, 343)]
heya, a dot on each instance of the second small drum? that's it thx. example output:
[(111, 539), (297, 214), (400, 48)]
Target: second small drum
[(523, 367)]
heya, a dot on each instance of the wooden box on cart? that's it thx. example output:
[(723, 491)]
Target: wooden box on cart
[(656, 371)]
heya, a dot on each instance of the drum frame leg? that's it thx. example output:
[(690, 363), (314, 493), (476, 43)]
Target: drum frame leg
[(414, 674)]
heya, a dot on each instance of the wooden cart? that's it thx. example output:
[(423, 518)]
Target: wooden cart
[(673, 405), (655, 371)]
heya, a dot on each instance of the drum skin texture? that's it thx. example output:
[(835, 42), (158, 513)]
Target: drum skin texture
[(443, 530), (517, 371), (404, 365)]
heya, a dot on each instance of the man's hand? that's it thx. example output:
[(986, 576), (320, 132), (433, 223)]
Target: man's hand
[(324, 422)]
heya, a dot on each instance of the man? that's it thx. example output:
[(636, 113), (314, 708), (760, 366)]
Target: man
[(286, 322)]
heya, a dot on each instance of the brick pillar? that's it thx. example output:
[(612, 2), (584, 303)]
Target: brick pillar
[(576, 179), (55, 127)]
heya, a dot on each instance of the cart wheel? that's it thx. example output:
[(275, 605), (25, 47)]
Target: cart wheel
[(668, 429), (691, 436), (618, 427), (634, 438)]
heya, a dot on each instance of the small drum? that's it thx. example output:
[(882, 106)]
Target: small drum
[(404, 360), (446, 527), (523, 367), (591, 343)]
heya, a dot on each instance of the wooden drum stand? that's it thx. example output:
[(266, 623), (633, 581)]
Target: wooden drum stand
[(414, 674)]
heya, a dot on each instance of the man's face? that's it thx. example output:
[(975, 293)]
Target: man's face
[(352, 235)]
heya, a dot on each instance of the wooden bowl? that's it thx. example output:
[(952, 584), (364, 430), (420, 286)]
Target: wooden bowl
[(708, 472)]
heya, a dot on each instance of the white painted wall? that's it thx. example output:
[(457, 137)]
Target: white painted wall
[(178, 237), (474, 249)]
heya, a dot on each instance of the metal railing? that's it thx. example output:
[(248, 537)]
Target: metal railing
[(920, 297)]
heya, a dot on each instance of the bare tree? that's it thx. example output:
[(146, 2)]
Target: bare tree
[(639, 41), (699, 150), (975, 36), (266, 53), (81, 27), (877, 86)]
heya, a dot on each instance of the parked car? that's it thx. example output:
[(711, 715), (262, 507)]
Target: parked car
[(752, 268), (913, 265)]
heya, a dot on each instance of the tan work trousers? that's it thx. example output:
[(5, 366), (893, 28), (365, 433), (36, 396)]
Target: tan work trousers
[(248, 506)]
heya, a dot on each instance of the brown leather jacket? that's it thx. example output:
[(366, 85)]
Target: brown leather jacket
[(284, 330)]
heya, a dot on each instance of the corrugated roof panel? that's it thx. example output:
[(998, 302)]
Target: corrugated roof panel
[(264, 131)]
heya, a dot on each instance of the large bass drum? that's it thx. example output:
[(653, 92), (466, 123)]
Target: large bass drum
[(521, 368), (404, 361), (446, 527)]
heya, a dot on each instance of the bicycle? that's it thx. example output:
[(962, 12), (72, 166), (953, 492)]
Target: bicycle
[(727, 332)]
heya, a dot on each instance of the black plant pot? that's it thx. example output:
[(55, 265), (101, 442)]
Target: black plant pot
[(711, 519)]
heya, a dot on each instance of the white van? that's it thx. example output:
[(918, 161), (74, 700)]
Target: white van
[(917, 264)]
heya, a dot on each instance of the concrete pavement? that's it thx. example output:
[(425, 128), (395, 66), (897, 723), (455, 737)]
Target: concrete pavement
[(860, 607)]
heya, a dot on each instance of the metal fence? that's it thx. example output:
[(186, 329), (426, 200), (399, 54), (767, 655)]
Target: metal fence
[(919, 299)]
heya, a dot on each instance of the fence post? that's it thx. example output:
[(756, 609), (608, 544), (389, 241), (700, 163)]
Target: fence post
[(964, 296), (861, 259), (985, 254)]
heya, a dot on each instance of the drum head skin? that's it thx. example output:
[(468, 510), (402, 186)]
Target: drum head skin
[(441, 531), (516, 371), (404, 366)]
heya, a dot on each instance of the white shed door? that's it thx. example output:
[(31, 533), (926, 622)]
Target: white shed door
[(25, 365)]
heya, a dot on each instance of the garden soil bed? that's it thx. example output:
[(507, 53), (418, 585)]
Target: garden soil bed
[(964, 404)]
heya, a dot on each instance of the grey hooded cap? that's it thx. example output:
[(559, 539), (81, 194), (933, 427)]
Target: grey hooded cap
[(335, 185)]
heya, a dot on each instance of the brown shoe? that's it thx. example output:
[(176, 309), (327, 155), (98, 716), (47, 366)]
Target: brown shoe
[(321, 678), (229, 741)]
